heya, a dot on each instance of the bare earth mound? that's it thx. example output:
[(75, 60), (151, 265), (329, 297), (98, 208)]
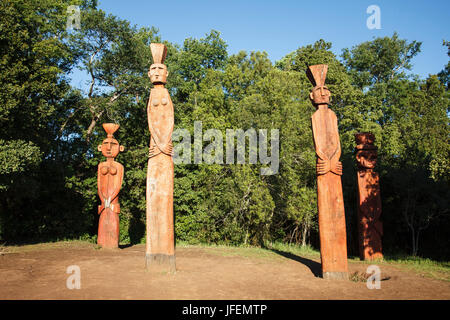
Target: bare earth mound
[(39, 272)]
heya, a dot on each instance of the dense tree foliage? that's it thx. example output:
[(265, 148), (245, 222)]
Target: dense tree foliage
[(50, 131)]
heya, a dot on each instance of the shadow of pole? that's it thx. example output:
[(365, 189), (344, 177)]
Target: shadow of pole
[(124, 246), (314, 266)]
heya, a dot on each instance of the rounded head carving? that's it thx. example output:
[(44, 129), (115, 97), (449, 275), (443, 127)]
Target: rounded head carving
[(110, 147), (364, 138), (366, 151), (366, 158)]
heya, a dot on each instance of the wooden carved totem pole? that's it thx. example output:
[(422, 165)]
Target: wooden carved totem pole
[(109, 182), (333, 239), (160, 245), (369, 201)]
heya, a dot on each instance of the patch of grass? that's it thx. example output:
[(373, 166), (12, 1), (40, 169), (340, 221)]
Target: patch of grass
[(46, 246), (358, 277), (425, 267), (2, 249), (229, 250), (267, 252), (302, 251)]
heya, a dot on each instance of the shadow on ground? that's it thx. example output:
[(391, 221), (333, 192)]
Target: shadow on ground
[(314, 266), (124, 246)]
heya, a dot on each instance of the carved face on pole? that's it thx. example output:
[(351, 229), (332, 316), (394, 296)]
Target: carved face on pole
[(367, 158), (366, 151), (110, 147), (158, 73), (320, 95)]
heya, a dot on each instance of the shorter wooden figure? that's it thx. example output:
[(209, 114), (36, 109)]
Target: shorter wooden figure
[(109, 182), (369, 201)]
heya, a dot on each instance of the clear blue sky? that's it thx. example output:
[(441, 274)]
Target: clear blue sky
[(280, 27)]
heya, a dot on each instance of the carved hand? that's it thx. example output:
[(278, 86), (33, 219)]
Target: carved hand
[(168, 149), (153, 151), (323, 166), (336, 166)]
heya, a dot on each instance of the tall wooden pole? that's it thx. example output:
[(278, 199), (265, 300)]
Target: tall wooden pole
[(160, 242), (333, 239)]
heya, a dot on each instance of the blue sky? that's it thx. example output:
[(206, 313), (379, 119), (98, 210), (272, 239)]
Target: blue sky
[(280, 27)]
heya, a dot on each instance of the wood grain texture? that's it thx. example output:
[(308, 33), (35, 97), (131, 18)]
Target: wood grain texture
[(109, 181), (332, 229), (160, 241)]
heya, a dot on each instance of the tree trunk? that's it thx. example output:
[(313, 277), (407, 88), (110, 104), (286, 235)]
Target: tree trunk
[(304, 231), (416, 244), (92, 125), (413, 235)]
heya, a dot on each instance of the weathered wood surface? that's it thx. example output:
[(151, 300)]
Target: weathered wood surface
[(160, 242), (332, 229), (109, 181)]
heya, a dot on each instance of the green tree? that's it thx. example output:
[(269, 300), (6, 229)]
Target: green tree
[(380, 60), (444, 75), (411, 122), (34, 60)]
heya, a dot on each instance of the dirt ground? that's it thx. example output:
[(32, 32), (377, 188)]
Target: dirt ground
[(39, 272)]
